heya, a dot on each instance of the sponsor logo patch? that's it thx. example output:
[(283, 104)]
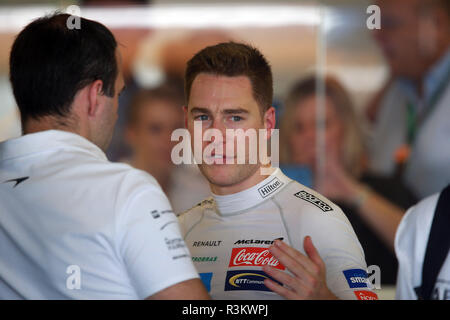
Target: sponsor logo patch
[(204, 259), (247, 280), (156, 214), (174, 243), (253, 256), (206, 279), (366, 295), (356, 278), (207, 243), (270, 187), (257, 241), (313, 200), (17, 181)]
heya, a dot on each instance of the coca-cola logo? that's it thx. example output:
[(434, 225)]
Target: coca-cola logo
[(253, 256)]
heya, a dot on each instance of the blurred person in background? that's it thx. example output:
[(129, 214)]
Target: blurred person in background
[(153, 115), (411, 113), (373, 205), (10, 126)]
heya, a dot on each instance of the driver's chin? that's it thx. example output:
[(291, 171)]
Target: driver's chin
[(226, 175)]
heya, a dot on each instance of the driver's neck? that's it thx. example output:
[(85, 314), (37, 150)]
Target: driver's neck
[(251, 181)]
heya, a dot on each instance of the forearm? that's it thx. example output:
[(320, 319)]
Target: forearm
[(382, 215)]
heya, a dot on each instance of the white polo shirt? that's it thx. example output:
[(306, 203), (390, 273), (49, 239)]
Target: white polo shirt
[(411, 242), (75, 226)]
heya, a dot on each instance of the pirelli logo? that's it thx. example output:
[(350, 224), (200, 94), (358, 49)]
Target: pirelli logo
[(314, 200), (270, 187)]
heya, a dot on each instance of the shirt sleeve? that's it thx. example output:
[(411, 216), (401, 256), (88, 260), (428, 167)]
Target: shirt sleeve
[(404, 290), (411, 241), (338, 245), (150, 244)]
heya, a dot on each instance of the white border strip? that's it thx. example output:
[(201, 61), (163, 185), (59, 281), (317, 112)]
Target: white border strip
[(13, 19)]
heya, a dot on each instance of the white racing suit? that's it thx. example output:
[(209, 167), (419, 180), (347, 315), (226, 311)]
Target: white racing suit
[(228, 237)]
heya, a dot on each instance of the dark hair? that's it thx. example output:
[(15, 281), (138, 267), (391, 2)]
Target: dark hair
[(165, 92), (233, 59), (49, 63)]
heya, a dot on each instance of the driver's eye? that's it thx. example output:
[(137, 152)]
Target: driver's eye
[(202, 117)]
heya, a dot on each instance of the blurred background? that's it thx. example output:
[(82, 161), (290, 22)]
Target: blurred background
[(286, 32), (342, 94)]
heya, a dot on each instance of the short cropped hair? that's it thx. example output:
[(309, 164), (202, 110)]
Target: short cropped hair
[(233, 59), (50, 63)]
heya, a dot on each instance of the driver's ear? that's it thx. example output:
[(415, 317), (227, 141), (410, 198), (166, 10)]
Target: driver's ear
[(95, 97), (269, 120)]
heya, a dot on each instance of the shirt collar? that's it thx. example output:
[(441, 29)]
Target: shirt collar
[(434, 78), (45, 140), (232, 203), (437, 76)]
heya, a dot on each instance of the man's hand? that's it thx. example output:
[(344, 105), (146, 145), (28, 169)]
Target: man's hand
[(337, 184), (309, 280)]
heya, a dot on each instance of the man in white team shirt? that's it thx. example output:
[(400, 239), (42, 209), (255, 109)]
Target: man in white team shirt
[(72, 224), (427, 221), (229, 86)]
